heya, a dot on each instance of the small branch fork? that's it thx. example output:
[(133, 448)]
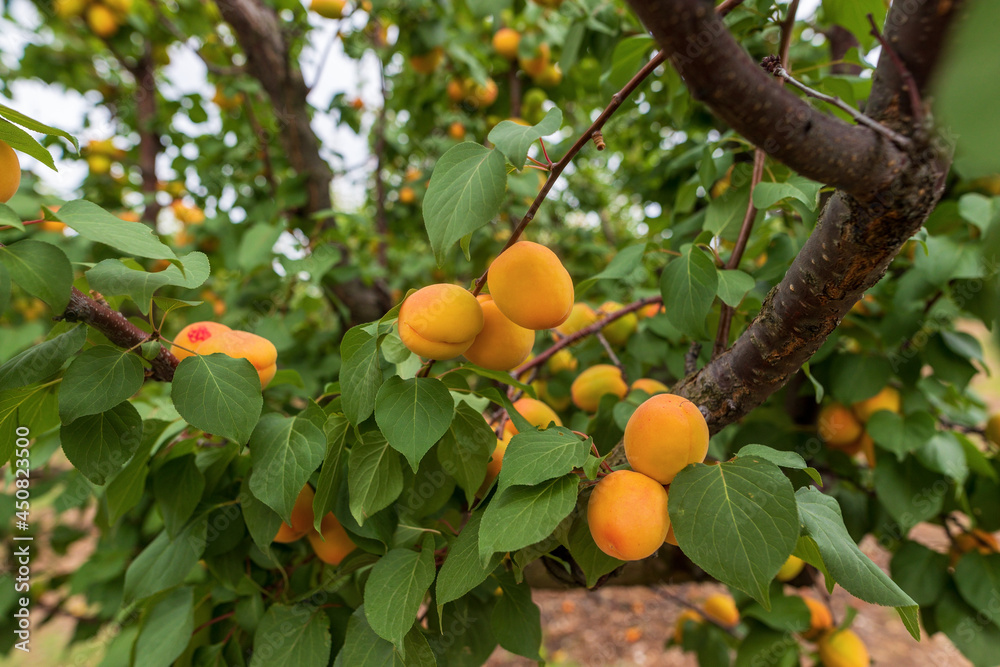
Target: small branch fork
[(905, 74)]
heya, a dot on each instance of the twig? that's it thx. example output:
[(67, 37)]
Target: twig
[(786, 30), (693, 607), (691, 358), (212, 622), (727, 6), (611, 353), (911, 85)]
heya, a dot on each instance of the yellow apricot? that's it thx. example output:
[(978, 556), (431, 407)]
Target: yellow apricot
[(886, 399), (501, 345), (495, 463), (258, 350), (332, 543), (67, 8), (329, 9), (407, 195), (563, 360), (593, 383), (99, 164), (535, 65), (440, 321), (790, 569), (627, 515), (531, 286), (537, 413), (992, 431), (820, 618), (302, 517), (651, 309), (650, 386), (542, 390), (482, 95), (505, 43), (664, 434), (102, 20), (843, 648), (722, 608), (10, 172), (193, 336), (688, 615), (456, 131), (426, 63), (619, 331), (838, 426), (549, 77), (581, 315)]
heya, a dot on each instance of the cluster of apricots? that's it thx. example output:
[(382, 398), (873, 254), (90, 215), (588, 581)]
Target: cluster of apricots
[(212, 337), (537, 64), (103, 16), (10, 172), (843, 428), (331, 543)]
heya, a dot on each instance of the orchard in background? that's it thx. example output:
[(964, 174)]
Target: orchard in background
[(628, 281)]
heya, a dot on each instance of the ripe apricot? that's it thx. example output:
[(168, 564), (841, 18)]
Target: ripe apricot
[(557, 402), (302, 517), (501, 345), (258, 350), (563, 360), (650, 386), (593, 383), (535, 65), (440, 321), (531, 286), (627, 515), (820, 618), (687, 616), (843, 648), (426, 63), (664, 434), (456, 90), (10, 172), (407, 195), (992, 431), (189, 340), (651, 309), (886, 399), (619, 331), (537, 413), (549, 77), (581, 315), (975, 539), (456, 131), (483, 95), (722, 608), (505, 43), (331, 543), (790, 569), (838, 426), (102, 20), (328, 9)]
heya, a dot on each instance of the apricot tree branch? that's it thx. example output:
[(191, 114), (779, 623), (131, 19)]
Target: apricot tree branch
[(909, 84)]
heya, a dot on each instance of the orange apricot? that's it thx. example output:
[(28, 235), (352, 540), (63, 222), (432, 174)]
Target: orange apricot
[(820, 618), (975, 539), (407, 195), (664, 434), (426, 63), (537, 413), (557, 402), (886, 399), (619, 331), (302, 517), (843, 648), (791, 569), (651, 309), (440, 321), (505, 43), (501, 345), (627, 515), (838, 426), (332, 543), (328, 9), (650, 386), (102, 20), (593, 383), (563, 360), (456, 131), (258, 350), (10, 172), (535, 66), (531, 286), (581, 315), (189, 340), (722, 608)]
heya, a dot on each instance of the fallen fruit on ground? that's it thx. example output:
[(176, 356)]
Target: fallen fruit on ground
[(664, 434), (440, 321), (627, 515)]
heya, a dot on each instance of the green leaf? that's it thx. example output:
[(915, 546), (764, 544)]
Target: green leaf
[(733, 286), (42, 360), (99, 445), (465, 449), (167, 629), (364, 648), (688, 285), (375, 475), (219, 395), (285, 451), (9, 216), (629, 56), (330, 475), (856, 377), (782, 459), (165, 563), (35, 406), (787, 613), (854, 17), (514, 139), (910, 492), (114, 277), (516, 620), (95, 224), (41, 270), (126, 489), (522, 515), (360, 374), (463, 570), (901, 435), (396, 589), (623, 264), (465, 192), (5, 287), (959, 621), (256, 245), (292, 636), (736, 520), (97, 380), (535, 456), (977, 576), (262, 521), (19, 118), (921, 572), (724, 214), (764, 646), (853, 570), (766, 195), (177, 487), (594, 562), (21, 141), (413, 414)]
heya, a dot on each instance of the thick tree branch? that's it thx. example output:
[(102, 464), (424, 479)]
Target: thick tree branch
[(149, 140)]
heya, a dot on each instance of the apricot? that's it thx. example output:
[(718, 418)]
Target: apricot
[(549, 77), (593, 383), (866, 446), (791, 569), (838, 426), (651, 309), (975, 539), (650, 386), (302, 517), (688, 615), (505, 43), (557, 402), (580, 316), (627, 515), (535, 65), (102, 20), (496, 462), (619, 331), (482, 95), (328, 9), (426, 63), (886, 399), (664, 434), (407, 195), (189, 340), (563, 360), (10, 172), (722, 609), (456, 90), (537, 413), (531, 286), (843, 648), (332, 543), (501, 345), (820, 618), (456, 131), (440, 321), (258, 350), (992, 431)]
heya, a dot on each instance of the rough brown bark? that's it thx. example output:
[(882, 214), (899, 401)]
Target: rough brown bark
[(144, 72)]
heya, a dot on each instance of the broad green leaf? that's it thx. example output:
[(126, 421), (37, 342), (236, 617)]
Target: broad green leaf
[(782, 459), (364, 648), (126, 489), (375, 475), (522, 515), (219, 395), (413, 414), (95, 224), (977, 576), (465, 192), (765, 646), (42, 360), (100, 445), (944, 453), (5, 287), (177, 487), (167, 629), (262, 521), (853, 570), (959, 622), (21, 141), (29, 123), (623, 264), (114, 277), (292, 636), (688, 285), (594, 562), (396, 588), (921, 572), (35, 405), (901, 435), (465, 449), (334, 462), (856, 377), (787, 613), (725, 213), (910, 492), (285, 451), (97, 380), (514, 139), (360, 374), (256, 245), (854, 17), (9, 217), (629, 56), (516, 619), (535, 456), (736, 520), (462, 569), (41, 270), (766, 195), (733, 286), (165, 563)]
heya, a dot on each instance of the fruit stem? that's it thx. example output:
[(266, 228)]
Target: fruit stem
[(548, 161)]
